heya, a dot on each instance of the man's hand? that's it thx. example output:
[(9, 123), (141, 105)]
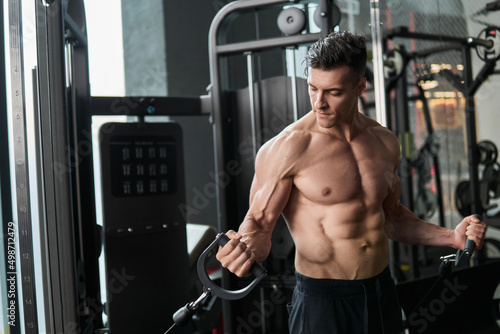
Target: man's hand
[(235, 255), (472, 228)]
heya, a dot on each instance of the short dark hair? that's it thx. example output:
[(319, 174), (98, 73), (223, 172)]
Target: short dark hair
[(336, 50)]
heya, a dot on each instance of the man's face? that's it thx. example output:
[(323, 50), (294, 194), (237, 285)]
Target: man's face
[(334, 94)]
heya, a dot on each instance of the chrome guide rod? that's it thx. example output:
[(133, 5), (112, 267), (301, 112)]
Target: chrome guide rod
[(251, 95), (378, 66), (294, 85)]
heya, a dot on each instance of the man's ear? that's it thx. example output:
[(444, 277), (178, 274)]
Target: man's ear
[(361, 86)]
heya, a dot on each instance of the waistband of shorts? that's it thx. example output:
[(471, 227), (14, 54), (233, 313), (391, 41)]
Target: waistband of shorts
[(309, 285)]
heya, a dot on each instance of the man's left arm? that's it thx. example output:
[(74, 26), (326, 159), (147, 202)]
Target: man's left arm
[(403, 226)]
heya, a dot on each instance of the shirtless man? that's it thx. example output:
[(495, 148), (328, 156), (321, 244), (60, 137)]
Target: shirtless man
[(332, 174)]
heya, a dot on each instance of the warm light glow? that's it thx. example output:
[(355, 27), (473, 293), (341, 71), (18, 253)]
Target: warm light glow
[(429, 84), (436, 68)]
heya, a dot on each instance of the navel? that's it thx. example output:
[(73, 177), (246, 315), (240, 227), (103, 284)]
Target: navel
[(326, 191)]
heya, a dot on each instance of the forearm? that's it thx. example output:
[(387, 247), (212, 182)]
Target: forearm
[(257, 238), (403, 226)]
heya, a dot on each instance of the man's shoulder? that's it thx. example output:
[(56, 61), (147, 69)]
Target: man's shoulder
[(288, 146), (378, 130), (384, 135), (291, 139)]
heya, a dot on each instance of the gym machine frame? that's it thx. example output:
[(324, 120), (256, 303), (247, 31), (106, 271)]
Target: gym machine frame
[(219, 47), (468, 88), (60, 94), (396, 63)]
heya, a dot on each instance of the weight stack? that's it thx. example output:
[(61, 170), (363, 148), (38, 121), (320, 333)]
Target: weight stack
[(145, 245)]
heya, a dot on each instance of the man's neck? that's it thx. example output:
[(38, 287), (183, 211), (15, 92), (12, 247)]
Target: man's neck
[(347, 129)]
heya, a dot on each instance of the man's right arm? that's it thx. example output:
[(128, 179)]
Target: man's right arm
[(271, 187)]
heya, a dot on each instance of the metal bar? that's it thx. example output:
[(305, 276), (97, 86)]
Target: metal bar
[(141, 105), (77, 191), (219, 117), (326, 17), (487, 43), (455, 80), (251, 93), (267, 43), (470, 128), (6, 214), (405, 169), (404, 32), (295, 103), (485, 72), (75, 33), (24, 222), (430, 51), (378, 66), (435, 157), (57, 220)]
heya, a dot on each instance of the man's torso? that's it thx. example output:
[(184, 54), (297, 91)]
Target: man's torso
[(335, 210)]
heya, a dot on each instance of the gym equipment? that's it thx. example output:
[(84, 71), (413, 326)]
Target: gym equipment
[(246, 110), (441, 309), (378, 67), (182, 317), (488, 152), (24, 224), (446, 303), (142, 176), (321, 15), (426, 201), (291, 21), (394, 64), (487, 44), (463, 198), (489, 184), (461, 258)]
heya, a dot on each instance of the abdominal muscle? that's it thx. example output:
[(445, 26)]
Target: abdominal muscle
[(342, 241)]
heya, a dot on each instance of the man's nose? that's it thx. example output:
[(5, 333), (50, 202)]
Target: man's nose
[(319, 101)]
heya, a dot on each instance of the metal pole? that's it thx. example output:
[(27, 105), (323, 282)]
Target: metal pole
[(23, 228), (470, 124), (295, 106), (378, 65), (57, 221), (251, 95)]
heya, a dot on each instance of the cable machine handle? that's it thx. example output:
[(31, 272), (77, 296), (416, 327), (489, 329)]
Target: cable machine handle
[(464, 256), (257, 270)]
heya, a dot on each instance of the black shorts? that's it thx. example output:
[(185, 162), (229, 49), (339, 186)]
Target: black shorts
[(329, 306)]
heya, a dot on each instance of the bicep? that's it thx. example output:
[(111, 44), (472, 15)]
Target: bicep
[(391, 202), (269, 196), (271, 188)]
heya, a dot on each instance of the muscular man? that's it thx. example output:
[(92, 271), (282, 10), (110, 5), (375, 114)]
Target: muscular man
[(332, 174)]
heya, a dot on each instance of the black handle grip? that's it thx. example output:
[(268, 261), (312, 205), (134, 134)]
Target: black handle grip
[(469, 246), (257, 269), (463, 256), (214, 288)]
